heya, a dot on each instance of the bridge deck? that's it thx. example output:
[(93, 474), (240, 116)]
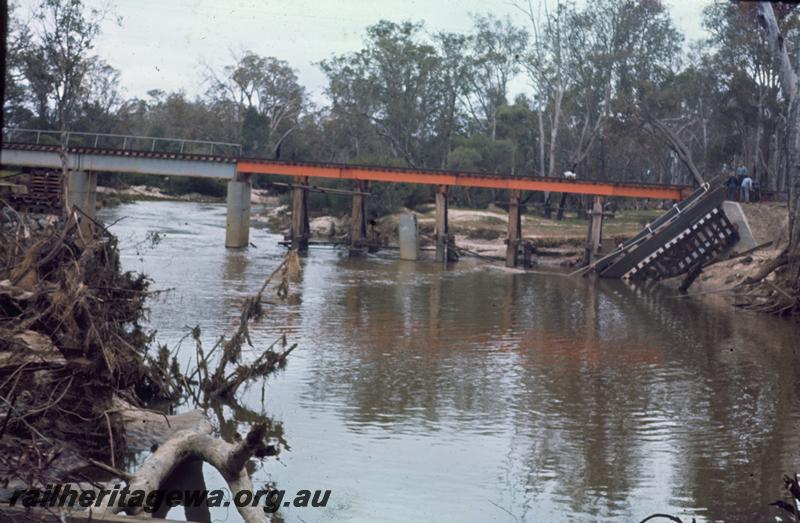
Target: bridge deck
[(226, 167), (461, 179)]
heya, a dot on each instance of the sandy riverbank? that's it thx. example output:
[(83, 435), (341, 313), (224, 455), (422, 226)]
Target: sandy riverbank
[(767, 221), (112, 195)]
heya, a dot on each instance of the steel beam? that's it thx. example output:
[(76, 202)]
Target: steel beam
[(138, 164), (451, 178)]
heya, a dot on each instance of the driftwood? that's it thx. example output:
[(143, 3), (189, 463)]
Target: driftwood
[(188, 437), (70, 339), (146, 429), (186, 445), (792, 485)]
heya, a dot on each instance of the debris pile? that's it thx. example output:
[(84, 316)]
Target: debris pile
[(74, 347), (71, 338)]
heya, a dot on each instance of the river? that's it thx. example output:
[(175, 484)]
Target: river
[(476, 393)]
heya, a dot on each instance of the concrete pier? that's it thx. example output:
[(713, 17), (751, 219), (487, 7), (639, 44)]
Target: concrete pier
[(408, 237), (733, 211), (237, 225), (82, 191), (594, 237)]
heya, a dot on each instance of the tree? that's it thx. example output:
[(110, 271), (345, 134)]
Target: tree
[(266, 99), (742, 61), (497, 48), (787, 264), (59, 60), (393, 86), (14, 92), (455, 73), (546, 67)]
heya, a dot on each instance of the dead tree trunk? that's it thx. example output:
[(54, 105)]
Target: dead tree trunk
[(656, 126), (185, 445), (790, 276)]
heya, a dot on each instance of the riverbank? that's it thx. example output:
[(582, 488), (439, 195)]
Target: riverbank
[(110, 196), (113, 196), (767, 221)]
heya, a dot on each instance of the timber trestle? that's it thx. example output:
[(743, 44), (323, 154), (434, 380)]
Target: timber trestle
[(693, 231)]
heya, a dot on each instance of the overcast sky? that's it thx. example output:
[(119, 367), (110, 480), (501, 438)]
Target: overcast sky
[(161, 43)]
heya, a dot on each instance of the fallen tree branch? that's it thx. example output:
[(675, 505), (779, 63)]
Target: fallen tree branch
[(229, 459), (738, 255), (767, 269)]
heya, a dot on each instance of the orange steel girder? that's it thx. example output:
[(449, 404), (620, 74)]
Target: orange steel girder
[(399, 175)]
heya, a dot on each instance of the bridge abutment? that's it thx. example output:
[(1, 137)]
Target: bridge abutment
[(237, 225), (82, 191)]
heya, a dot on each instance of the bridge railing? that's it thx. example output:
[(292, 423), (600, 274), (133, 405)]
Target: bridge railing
[(123, 142)]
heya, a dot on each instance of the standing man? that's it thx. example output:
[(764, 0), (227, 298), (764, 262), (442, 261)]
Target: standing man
[(741, 172), (747, 186), (733, 187)]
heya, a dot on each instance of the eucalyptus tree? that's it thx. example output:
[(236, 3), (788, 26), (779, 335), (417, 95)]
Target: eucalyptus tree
[(635, 51), (497, 48), (58, 60), (750, 84), (454, 77), (393, 84), (15, 109), (265, 97), (787, 264), (546, 65), (101, 102)]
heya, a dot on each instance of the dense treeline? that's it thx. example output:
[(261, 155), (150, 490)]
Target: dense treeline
[(608, 82)]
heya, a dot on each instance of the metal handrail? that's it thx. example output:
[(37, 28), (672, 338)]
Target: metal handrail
[(127, 139)]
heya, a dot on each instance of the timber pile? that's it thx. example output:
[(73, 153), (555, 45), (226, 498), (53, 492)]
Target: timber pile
[(75, 367)]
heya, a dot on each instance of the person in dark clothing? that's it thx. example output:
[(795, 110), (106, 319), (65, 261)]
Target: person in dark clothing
[(733, 187)]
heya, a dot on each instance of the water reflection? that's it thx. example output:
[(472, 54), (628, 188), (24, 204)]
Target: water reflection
[(615, 402), (477, 393)]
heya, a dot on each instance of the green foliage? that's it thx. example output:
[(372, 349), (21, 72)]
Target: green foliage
[(481, 153)]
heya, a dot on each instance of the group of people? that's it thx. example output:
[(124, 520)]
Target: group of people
[(741, 185)]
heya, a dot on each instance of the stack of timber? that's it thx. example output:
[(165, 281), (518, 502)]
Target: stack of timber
[(43, 193)]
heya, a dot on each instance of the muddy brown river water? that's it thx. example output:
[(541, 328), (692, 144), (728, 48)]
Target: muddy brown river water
[(476, 393)]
